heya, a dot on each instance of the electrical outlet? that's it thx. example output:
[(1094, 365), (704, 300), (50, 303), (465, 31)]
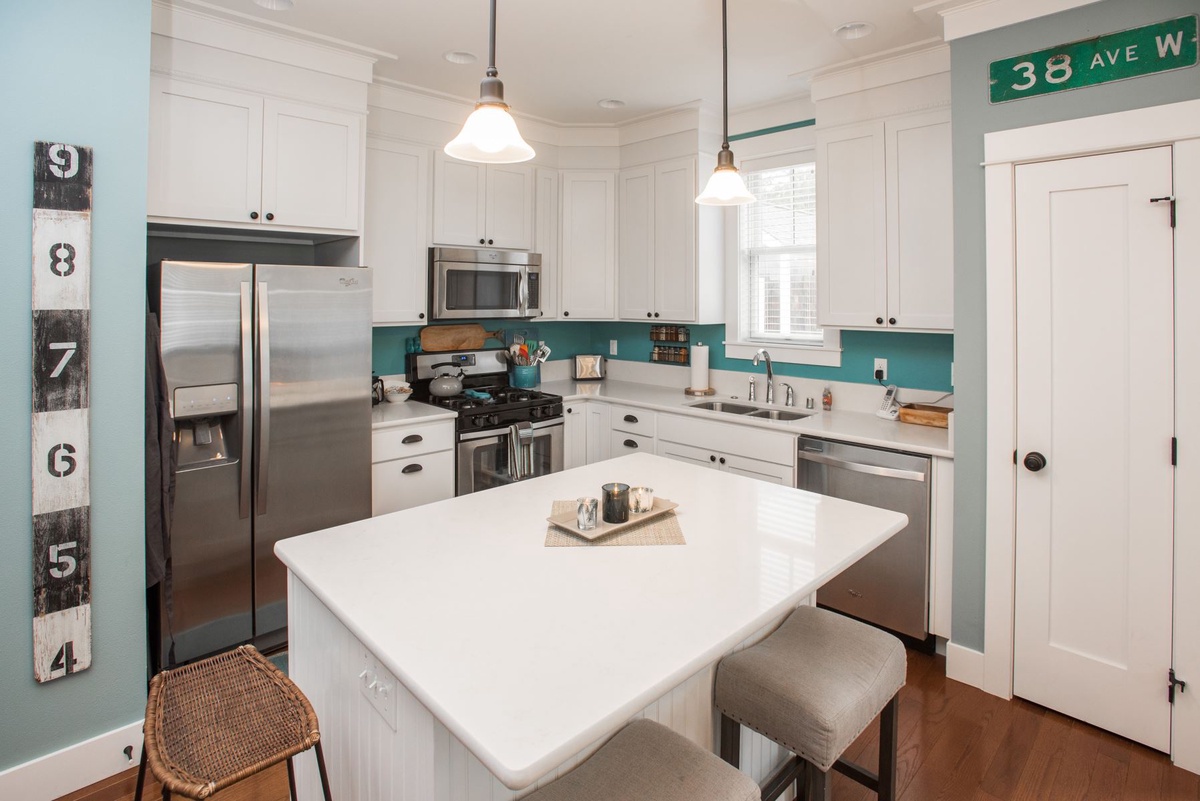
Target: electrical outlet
[(881, 369), (612, 347), (379, 687)]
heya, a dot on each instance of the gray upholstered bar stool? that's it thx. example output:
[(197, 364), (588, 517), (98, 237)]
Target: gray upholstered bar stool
[(646, 761), (812, 686)]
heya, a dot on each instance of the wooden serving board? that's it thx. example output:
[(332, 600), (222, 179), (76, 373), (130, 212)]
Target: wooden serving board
[(924, 415), (442, 338), (567, 520)]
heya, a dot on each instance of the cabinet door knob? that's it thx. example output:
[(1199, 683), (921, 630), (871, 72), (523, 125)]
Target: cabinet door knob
[(421, 316), (656, 314), (254, 215), (412, 468), (722, 460), (1034, 461), (712, 458), (270, 216), (481, 242), (570, 410), (411, 439), (629, 418), (891, 321), (490, 242), (648, 314), (566, 314), (878, 321), (630, 443)]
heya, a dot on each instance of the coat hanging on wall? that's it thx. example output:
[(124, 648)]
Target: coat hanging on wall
[(62, 261)]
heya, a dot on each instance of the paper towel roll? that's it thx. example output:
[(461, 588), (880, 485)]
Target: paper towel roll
[(699, 367)]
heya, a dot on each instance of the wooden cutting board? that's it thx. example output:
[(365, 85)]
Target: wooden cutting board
[(441, 338)]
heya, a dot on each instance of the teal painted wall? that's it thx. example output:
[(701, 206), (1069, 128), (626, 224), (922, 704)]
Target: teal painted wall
[(973, 116), (78, 72), (919, 361)]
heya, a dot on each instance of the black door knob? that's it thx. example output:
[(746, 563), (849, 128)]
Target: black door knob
[(648, 314), (421, 315), (481, 241), (891, 321), (254, 215), (878, 321), (1034, 461), (656, 314), (722, 460), (270, 216), (566, 314), (490, 242), (712, 458)]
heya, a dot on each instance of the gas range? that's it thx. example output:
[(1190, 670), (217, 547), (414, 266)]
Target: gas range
[(487, 401)]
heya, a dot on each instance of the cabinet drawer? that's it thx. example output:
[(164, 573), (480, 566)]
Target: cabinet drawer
[(633, 420), (624, 443), (403, 483), (406, 441)]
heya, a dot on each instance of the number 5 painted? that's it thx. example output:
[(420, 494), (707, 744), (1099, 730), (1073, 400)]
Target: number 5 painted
[(70, 348), (64, 563)]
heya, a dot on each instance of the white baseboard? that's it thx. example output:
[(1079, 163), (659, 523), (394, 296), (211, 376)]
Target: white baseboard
[(75, 766), (964, 664)]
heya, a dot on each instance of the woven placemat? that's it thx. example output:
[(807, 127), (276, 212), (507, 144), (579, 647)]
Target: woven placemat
[(662, 530)]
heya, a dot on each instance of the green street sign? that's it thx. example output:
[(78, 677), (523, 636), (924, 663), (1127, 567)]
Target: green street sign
[(1160, 47)]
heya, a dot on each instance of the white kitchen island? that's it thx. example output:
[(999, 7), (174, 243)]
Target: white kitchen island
[(451, 656)]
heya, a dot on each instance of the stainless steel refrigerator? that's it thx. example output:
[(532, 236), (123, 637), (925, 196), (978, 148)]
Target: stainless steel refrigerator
[(268, 372)]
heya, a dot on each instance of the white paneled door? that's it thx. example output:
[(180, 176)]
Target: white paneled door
[(1095, 420)]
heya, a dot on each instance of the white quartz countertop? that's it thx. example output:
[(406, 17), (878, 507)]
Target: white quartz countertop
[(388, 415), (860, 427), (529, 654)]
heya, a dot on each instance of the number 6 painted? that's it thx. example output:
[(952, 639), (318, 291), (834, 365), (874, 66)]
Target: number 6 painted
[(65, 563), (60, 465)]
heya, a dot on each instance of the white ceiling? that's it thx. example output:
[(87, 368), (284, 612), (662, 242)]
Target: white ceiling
[(557, 58)]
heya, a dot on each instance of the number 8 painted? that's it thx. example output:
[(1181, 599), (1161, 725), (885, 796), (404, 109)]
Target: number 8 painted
[(1058, 69)]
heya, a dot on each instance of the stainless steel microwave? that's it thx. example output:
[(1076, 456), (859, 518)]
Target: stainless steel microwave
[(465, 283)]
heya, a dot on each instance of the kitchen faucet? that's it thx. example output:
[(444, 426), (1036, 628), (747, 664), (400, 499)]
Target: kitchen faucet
[(770, 374)]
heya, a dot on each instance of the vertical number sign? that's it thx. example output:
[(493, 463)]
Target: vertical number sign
[(62, 541)]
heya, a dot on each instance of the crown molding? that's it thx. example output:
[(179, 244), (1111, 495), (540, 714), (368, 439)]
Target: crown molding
[(931, 57), (978, 16)]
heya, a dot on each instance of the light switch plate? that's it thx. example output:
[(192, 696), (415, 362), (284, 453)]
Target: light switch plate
[(612, 347), (379, 687)]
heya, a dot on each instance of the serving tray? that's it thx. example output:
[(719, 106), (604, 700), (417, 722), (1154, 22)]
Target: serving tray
[(566, 520)]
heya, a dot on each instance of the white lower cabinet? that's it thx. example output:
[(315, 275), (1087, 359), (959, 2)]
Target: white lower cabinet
[(941, 546), (574, 435), (411, 465), (752, 452), (632, 431), (599, 431)]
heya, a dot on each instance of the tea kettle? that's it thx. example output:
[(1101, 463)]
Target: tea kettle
[(445, 385), (377, 394)]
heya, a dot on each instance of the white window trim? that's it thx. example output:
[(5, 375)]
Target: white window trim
[(736, 347)]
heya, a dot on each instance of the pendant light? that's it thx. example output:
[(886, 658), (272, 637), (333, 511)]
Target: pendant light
[(490, 134), (725, 187)]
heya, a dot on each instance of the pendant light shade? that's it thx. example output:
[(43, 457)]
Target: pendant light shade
[(490, 134), (725, 187)]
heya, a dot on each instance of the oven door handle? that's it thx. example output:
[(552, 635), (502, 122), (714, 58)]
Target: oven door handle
[(496, 433)]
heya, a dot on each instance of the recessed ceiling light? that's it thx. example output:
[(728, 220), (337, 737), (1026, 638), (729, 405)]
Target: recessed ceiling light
[(276, 5), (610, 103), (460, 57), (854, 30)]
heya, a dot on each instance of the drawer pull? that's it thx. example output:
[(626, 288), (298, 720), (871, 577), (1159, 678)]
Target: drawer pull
[(630, 443), (412, 468), (629, 418), (412, 439)]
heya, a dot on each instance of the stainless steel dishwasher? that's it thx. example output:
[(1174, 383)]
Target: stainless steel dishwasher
[(889, 586)]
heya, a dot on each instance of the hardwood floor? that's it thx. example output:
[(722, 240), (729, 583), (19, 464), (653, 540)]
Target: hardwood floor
[(957, 743)]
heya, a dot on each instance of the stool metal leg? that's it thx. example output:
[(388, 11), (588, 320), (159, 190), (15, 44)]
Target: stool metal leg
[(887, 750), (291, 779), (324, 774), (731, 740), (817, 785), (141, 780)]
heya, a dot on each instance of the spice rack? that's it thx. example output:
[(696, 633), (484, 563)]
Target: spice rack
[(670, 344)]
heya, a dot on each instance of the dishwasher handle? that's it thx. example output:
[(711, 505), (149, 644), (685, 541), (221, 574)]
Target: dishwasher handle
[(869, 469)]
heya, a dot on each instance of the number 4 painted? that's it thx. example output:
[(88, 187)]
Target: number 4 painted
[(65, 658), (70, 348)]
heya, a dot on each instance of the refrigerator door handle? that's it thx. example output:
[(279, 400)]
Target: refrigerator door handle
[(264, 399), (247, 400)]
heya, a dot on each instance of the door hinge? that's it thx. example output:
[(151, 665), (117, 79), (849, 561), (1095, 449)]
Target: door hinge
[(1172, 683), (1174, 451), (1169, 199)]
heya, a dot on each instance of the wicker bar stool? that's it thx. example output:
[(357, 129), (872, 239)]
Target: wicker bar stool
[(812, 686), (215, 722)]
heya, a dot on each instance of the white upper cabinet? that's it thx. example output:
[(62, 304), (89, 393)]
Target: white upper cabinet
[(396, 230), (588, 246), (482, 205), (221, 156), (666, 272), (885, 224), (545, 236)]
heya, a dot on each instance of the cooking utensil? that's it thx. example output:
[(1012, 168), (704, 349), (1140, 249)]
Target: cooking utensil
[(447, 384), (442, 338), (541, 354)]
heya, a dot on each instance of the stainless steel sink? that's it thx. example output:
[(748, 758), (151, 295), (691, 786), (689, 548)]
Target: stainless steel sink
[(779, 414), (722, 406)]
